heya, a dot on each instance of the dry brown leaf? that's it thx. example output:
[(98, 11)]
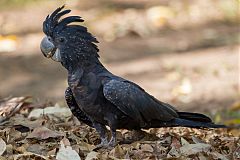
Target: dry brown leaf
[(9, 149), (92, 155), (166, 141), (65, 141), (29, 155), (14, 135), (2, 146), (197, 140), (202, 157), (184, 141), (67, 153), (217, 156), (3, 158), (36, 148), (52, 153), (235, 132), (20, 120), (175, 143), (146, 148), (190, 149), (174, 152), (41, 133), (236, 154), (117, 152), (22, 149), (8, 107), (85, 147), (61, 112), (223, 144), (127, 156), (103, 155)]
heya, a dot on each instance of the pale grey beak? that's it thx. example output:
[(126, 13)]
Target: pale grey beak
[(49, 50), (57, 56), (47, 47)]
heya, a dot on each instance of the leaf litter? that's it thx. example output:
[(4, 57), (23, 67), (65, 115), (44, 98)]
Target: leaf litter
[(50, 137)]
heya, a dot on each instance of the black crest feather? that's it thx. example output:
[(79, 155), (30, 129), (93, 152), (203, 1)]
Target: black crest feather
[(52, 24)]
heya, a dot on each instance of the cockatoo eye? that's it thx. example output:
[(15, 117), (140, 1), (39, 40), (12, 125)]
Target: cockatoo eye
[(61, 39)]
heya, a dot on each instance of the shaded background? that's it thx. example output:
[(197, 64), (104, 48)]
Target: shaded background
[(183, 52)]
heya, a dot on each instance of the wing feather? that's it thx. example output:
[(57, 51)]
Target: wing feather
[(136, 103)]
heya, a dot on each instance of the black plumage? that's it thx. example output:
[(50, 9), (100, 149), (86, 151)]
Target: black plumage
[(77, 112), (96, 96)]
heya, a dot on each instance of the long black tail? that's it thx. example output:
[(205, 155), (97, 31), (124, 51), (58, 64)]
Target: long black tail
[(186, 119), (196, 120), (195, 124), (194, 117)]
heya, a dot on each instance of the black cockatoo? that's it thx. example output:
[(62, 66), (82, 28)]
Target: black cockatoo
[(96, 96)]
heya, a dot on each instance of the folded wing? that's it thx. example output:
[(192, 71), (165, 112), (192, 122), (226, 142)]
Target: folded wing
[(136, 103)]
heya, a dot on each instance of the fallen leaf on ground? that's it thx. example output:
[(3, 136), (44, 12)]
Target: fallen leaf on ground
[(41, 133), (174, 152), (67, 153), (236, 153), (175, 143), (61, 112), (36, 148), (2, 158), (65, 141), (29, 155), (2, 146), (52, 153), (117, 152), (218, 156), (85, 147), (197, 140), (41, 141), (92, 155), (146, 148), (190, 149), (20, 120), (184, 141), (8, 107)]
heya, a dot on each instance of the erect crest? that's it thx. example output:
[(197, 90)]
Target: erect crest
[(53, 25)]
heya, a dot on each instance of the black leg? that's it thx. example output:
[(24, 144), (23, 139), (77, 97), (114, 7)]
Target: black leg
[(113, 141), (102, 130), (112, 124), (76, 111)]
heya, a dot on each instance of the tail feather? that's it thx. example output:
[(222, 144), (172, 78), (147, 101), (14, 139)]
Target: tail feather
[(195, 120), (186, 119), (178, 122), (194, 124), (197, 117)]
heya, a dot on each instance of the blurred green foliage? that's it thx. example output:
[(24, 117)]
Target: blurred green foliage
[(229, 116)]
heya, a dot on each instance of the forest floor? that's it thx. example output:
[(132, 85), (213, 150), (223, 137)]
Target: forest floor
[(193, 68), (204, 79)]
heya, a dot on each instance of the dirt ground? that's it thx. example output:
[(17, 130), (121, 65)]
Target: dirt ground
[(203, 79)]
